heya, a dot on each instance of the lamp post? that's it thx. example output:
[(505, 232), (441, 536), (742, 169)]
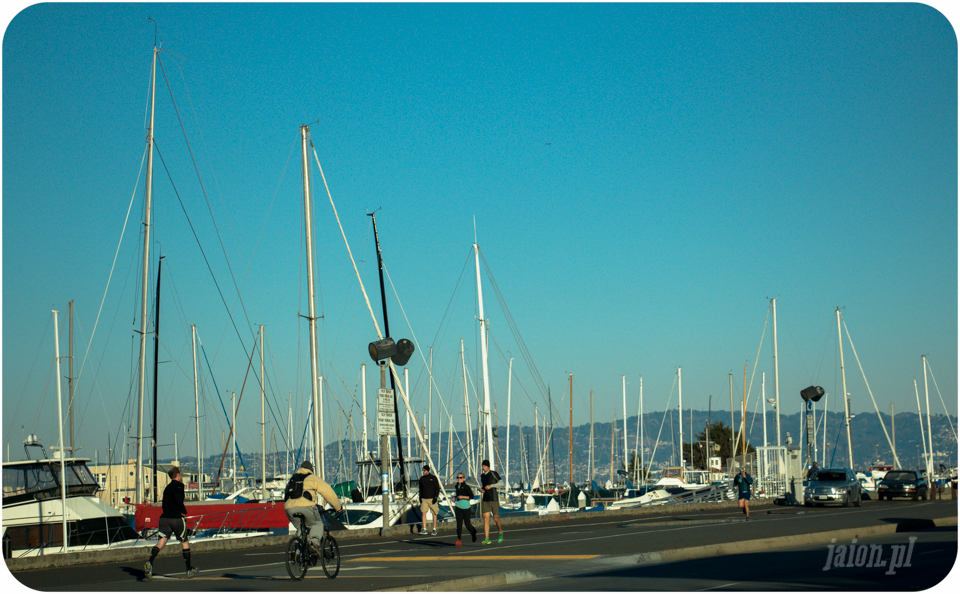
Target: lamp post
[(399, 353)]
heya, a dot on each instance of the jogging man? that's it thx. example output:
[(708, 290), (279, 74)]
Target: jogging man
[(743, 482), (429, 493), (490, 502), (303, 493), (171, 522)]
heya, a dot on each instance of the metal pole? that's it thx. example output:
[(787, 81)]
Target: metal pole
[(846, 401), (63, 468), (196, 403), (509, 389), (776, 373), (483, 348), (263, 424), (385, 462), (311, 302), (144, 275)]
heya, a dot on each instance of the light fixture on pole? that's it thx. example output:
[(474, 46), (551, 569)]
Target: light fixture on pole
[(399, 352)]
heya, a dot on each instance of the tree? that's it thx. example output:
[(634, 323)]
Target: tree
[(719, 439)]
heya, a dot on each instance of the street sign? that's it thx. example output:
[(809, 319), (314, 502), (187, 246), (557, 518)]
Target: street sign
[(386, 415)]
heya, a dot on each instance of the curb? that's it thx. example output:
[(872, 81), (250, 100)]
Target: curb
[(674, 555)]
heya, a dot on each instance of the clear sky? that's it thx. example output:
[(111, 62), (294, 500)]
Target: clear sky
[(641, 179)]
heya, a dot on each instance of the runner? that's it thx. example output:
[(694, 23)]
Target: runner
[(743, 482), (171, 522), (490, 502)]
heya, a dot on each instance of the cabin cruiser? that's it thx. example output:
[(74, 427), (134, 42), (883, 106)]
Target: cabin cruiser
[(33, 510)]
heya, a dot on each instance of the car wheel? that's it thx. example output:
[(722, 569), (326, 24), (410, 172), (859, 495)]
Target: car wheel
[(859, 500)]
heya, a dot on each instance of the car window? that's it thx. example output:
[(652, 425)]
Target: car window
[(899, 476), (830, 476)]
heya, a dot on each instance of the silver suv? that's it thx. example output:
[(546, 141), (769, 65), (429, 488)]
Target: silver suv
[(833, 485)]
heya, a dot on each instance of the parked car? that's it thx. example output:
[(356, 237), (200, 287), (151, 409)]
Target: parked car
[(903, 483), (833, 485)]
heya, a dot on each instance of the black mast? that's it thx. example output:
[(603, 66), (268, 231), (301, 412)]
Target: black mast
[(386, 333), (156, 356)]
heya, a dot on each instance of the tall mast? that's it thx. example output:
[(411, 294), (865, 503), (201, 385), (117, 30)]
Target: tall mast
[(926, 393), (680, 388), (626, 460), (571, 432), (196, 404), (466, 408), (73, 451), (144, 275), (156, 369), (776, 372), (483, 353), (312, 316), (590, 473), (509, 389), (846, 399), (363, 375), (263, 424), (640, 434), (63, 470)]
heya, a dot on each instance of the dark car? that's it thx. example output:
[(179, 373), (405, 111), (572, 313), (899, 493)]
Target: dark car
[(833, 485), (903, 483)]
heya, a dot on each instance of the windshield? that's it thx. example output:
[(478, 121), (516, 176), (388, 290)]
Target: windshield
[(830, 476), (900, 476)]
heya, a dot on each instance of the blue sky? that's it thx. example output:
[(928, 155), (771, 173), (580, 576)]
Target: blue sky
[(641, 180)]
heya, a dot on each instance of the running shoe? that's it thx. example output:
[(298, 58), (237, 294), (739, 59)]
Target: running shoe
[(434, 533), (487, 541), (148, 570), (500, 538), (193, 571), (459, 544)]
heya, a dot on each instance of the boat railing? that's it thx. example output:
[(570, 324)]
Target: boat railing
[(713, 493)]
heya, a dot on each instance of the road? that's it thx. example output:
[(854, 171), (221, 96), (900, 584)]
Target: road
[(714, 549)]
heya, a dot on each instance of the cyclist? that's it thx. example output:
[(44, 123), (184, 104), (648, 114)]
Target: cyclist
[(303, 493)]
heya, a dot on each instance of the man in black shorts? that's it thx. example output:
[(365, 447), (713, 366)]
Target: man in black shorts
[(171, 522)]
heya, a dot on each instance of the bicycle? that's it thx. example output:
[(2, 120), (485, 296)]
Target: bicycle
[(302, 553)]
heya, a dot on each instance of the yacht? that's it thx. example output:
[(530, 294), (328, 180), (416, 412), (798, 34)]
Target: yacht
[(33, 512)]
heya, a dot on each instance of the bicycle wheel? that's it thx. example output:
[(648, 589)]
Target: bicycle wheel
[(296, 559), (330, 559)]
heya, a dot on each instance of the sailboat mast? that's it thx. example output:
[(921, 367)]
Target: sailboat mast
[(509, 389), (263, 424), (156, 364), (196, 404), (590, 472), (926, 394), (571, 432), (63, 471), (626, 460), (680, 389), (776, 372), (483, 352), (311, 304), (466, 410), (846, 400), (73, 451), (144, 275)]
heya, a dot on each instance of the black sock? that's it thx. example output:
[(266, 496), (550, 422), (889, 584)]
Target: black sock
[(186, 558), (153, 554)]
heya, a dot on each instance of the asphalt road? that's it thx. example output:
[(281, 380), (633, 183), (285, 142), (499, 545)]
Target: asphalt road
[(603, 552)]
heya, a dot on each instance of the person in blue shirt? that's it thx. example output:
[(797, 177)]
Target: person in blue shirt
[(743, 481)]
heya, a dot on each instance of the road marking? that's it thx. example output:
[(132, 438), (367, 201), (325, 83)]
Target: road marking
[(484, 558)]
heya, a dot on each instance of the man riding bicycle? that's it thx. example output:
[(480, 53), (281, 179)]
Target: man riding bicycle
[(303, 494)]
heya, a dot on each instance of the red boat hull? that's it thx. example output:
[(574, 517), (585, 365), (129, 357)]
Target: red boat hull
[(217, 515)]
